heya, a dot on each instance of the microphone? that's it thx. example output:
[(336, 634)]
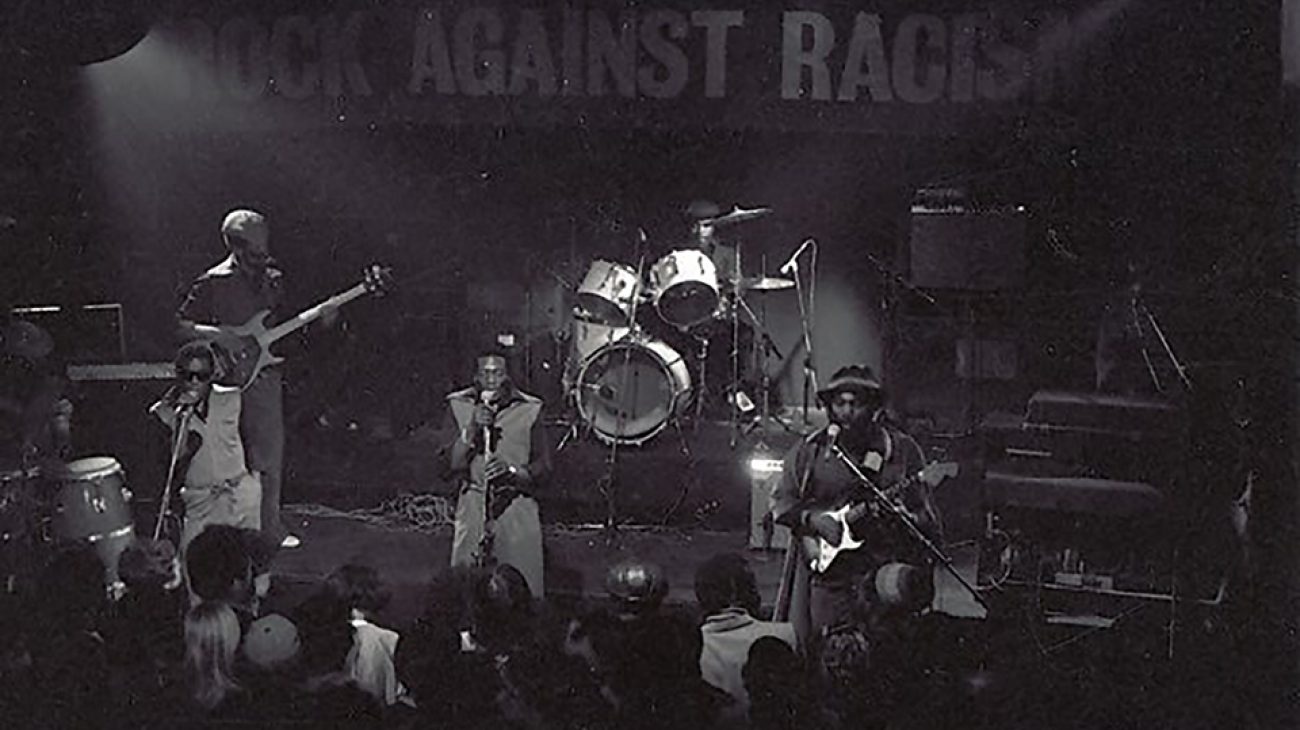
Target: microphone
[(789, 265), (832, 433)]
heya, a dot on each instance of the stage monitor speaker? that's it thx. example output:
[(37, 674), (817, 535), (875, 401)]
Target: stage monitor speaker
[(967, 250), (764, 533)]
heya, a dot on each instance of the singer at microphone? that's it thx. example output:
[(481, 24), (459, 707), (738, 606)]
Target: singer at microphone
[(817, 492), (497, 459), (215, 482)]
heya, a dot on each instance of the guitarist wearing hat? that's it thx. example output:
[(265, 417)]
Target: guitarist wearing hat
[(855, 560), (228, 295)]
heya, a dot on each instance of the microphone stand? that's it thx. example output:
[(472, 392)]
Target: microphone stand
[(907, 521), (809, 374), (184, 415)]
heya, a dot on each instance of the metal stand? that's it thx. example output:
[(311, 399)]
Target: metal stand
[(809, 372), (183, 417), (608, 482), (1141, 314), (906, 520)]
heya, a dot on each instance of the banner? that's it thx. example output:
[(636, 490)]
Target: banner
[(863, 69)]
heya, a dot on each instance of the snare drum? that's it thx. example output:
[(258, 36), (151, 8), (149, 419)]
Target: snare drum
[(608, 292), (92, 504), (629, 390), (685, 285)]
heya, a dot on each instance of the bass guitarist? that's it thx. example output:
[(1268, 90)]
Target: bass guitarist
[(815, 484), (228, 295)]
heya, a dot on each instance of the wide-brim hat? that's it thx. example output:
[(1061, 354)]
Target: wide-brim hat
[(859, 378)]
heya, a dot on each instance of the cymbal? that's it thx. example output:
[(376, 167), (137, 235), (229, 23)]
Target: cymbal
[(766, 283), (24, 339), (737, 215)]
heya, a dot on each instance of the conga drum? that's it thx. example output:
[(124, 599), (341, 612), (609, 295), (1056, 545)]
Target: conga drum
[(91, 505)]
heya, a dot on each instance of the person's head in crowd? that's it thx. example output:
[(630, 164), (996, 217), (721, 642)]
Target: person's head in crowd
[(73, 595), (775, 682), (636, 587), (271, 644), (149, 566), (212, 637), (725, 581), (540, 688), (360, 587), (219, 567), (845, 657), (325, 633), (897, 589), (261, 554), (501, 608)]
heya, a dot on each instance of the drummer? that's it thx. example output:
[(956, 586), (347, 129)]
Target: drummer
[(703, 235)]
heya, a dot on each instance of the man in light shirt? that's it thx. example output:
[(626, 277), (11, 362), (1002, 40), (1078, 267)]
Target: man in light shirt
[(728, 595)]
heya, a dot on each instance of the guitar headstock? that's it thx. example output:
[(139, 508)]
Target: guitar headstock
[(937, 471), (378, 279)]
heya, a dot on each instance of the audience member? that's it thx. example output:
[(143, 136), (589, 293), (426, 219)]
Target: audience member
[(370, 663), (218, 567), (776, 683), (146, 642), (212, 638), (68, 652), (728, 595)]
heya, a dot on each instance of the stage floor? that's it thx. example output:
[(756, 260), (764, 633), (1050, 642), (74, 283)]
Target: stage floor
[(408, 555)]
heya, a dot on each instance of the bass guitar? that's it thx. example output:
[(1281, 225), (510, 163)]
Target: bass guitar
[(245, 350), (821, 553)]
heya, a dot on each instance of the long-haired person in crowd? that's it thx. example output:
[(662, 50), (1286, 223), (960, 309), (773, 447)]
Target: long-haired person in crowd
[(212, 637)]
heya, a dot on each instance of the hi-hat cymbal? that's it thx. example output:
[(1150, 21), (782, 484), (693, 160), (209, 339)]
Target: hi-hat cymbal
[(737, 215), (766, 283), (24, 339)]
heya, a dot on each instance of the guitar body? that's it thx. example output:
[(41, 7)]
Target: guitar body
[(245, 350), (821, 553)]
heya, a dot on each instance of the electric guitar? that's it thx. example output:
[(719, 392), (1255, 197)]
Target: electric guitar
[(821, 553), (243, 351)]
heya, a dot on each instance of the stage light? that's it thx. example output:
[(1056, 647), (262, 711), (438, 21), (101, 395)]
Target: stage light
[(762, 464)]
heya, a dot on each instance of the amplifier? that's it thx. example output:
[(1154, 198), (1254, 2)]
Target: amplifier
[(967, 250), (86, 333)]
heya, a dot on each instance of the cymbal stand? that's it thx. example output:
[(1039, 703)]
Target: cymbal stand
[(738, 293), (765, 346), (1144, 319), (609, 481)]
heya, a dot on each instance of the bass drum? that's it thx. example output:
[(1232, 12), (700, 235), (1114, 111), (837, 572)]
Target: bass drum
[(629, 390)]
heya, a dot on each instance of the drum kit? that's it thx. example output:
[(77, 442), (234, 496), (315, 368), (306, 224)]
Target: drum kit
[(626, 379)]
